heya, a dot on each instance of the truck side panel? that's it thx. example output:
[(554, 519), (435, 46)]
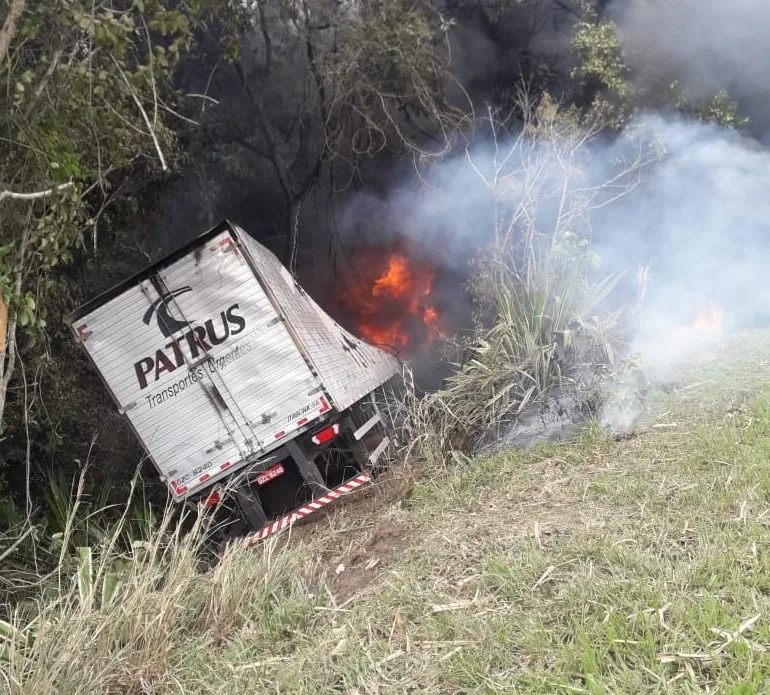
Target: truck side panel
[(270, 388), (348, 367)]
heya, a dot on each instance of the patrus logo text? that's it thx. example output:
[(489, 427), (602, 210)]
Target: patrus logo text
[(191, 341)]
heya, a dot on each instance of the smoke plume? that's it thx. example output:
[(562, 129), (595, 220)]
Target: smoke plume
[(699, 219), (708, 45)]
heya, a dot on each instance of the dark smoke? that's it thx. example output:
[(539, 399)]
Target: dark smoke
[(708, 45)]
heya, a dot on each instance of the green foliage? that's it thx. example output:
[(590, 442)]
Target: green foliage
[(600, 73), (598, 51), (90, 105), (612, 566), (75, 525), (99, 583), (78, 161), (721, 110), (76, 518), (391, 68), (610, 91)]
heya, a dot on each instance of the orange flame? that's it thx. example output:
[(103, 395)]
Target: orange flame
[(395, 309), (709, 322)]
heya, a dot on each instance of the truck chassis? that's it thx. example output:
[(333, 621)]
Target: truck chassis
[(336, 457)]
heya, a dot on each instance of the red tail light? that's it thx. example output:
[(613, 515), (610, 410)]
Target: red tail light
[(213, 499), (326, 435)]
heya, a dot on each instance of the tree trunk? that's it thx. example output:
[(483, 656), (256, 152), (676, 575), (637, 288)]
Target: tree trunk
[(203, 181), (8, 361), (9, 28)]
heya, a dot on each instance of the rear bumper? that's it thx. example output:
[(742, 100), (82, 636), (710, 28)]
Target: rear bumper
[(306, 510)]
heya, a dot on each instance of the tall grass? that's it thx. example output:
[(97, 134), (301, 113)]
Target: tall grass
[(116, 619), (545, 328), (35, 549), (545, 331), (630, 567), (544, 315)]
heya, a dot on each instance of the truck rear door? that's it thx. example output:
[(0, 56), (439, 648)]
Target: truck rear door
[(201, 364)]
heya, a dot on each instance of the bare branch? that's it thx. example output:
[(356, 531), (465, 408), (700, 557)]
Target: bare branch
[(36, 195), (40, 87), (568, 8), (151, 63), (145, 117), (205, 97), (102, 176), (266, 38), (7, 368), (9, 550), (199, 168)]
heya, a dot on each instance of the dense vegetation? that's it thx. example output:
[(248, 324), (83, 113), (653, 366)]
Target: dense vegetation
[(129, 126)]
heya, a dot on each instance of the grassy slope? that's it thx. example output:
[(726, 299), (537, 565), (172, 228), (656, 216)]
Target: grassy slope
[(591, 567)]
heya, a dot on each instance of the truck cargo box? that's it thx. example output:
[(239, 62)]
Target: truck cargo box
[(217, 357)]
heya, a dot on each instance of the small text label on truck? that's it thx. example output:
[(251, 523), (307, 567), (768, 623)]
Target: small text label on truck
[(305, 409), (171, 356), (195, 375)]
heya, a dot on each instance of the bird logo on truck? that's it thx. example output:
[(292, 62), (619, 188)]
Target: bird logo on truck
[(167, 324)]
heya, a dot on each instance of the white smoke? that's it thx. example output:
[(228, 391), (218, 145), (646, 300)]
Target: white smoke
[(700, 219)]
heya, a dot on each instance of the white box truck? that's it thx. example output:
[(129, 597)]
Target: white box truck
[(244, 393)]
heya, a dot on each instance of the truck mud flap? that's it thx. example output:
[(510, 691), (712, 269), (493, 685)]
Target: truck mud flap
[(375, 455), (302, 512)]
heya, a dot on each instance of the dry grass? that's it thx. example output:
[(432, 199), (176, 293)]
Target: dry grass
[(596, 566)]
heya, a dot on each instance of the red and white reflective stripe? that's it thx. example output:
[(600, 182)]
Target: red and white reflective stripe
[(222, 467), (179, 490), (324, 404), (285, 522)]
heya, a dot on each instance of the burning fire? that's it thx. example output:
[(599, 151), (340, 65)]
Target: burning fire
[(395, 309), (709, 322)]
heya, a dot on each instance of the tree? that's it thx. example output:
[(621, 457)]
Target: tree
[(611, 91), (320, 88), (87, 109)]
